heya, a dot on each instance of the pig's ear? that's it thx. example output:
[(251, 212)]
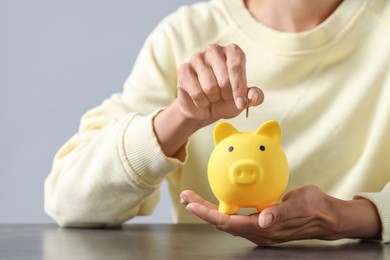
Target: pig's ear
[(223, 130), (271, 129)]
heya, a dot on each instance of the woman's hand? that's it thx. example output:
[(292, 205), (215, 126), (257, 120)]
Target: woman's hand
[(305, 213), (212, 85)]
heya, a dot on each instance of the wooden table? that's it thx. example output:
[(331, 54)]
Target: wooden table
[(165, 241)]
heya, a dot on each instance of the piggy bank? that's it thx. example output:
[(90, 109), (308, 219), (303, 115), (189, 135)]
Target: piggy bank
[(247, 169)]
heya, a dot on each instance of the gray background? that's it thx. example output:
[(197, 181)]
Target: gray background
[(59, 58)]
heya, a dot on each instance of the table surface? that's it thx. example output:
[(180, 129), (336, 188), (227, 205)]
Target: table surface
[(165, 241)]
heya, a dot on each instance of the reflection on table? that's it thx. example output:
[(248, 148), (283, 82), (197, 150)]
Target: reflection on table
[(166, 241)]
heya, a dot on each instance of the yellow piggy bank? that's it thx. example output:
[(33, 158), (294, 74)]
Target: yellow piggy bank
[(247, 169)]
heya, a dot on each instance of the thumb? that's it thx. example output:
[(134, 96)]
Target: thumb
[(255, 96), (273, 215)]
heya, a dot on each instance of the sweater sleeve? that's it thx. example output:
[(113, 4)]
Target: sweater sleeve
[(382, 202), (111, 169)]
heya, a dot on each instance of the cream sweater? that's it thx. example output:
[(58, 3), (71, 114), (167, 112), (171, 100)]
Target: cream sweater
[(328, 87)]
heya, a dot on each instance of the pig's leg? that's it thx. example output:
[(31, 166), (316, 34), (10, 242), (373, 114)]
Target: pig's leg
[(226, 208)]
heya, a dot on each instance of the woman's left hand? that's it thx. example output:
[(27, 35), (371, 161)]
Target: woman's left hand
[(304, 213)]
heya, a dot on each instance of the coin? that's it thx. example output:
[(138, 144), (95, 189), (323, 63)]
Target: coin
[(247, 107)]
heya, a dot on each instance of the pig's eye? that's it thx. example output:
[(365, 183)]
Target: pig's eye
[(231, 148), (262, 148)]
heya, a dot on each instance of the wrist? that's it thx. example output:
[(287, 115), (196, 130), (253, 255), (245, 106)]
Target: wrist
[(173, 129), (178, 121), (357, 218)]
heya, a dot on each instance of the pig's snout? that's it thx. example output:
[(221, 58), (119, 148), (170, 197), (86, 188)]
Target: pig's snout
[(245, 172)]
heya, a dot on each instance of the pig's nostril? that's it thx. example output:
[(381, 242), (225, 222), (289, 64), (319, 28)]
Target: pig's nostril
[(239, 173), (252, 173)]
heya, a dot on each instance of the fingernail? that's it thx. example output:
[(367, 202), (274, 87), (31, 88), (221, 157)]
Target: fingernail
[(254, 97), (183, 199), (190, 207), (265, 220), (240, 103)]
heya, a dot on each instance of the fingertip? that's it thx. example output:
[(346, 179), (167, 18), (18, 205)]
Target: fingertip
[(266, 220), (186, 192), (240, 103), (202, 102), (183, 201), (183, 192), (256, 96), (189, 206), (184, 195)]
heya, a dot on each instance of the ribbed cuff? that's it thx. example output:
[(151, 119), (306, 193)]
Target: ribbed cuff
[(382, 202), (147, 163)]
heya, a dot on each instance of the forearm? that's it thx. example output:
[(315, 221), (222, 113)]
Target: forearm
[(103, 176), (172, 129), (78, 191)]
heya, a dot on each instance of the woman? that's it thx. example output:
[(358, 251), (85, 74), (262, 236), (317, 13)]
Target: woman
[(323, 69)]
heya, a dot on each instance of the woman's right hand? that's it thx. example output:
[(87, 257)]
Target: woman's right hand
[(213, 85)]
